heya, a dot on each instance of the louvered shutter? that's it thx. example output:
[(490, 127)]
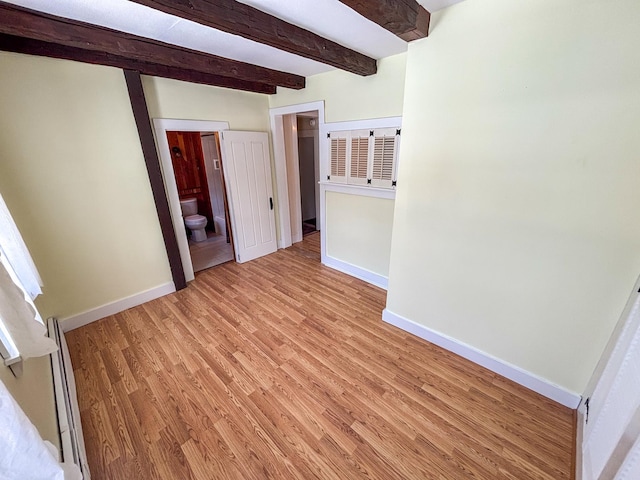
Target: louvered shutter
[(338, 156), (359, 157), (383, 157)]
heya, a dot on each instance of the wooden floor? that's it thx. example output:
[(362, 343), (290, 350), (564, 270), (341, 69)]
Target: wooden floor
[(282, 368)]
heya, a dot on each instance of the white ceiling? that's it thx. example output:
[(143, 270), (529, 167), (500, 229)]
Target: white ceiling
[(328, 18)]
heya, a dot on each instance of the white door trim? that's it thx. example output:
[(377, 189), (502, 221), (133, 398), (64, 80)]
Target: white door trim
[(280, 163), (160, 127), (611, 417)]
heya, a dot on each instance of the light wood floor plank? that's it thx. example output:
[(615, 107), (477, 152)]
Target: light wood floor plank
[(282, 368)]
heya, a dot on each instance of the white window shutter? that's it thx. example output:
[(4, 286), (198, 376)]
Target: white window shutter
[(359, 157), (338, 142), (383, 157)]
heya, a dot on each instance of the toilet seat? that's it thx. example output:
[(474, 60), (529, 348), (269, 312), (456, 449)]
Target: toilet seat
[(195, 221)]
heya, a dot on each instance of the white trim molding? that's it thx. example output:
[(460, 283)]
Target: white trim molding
[(355, 271), (387, 193), (160, 127), (84, 318), (367, 124), (526, 379), (280, 163)]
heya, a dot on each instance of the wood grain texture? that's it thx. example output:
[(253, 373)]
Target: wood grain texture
[(154, 172), (282, 368), (405, 18), (23, 22), (246, 21), (28, 46), (190, 171)]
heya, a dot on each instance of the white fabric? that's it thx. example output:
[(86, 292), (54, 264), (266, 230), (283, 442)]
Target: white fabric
[(19, 285), (13, 247), (23, 453), (71, 470), (20, 316)]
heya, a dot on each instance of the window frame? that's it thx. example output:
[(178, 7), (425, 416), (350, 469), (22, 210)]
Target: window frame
[(374, 128)]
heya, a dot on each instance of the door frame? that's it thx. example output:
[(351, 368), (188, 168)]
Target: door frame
[(618, 343), (280, 163), (315, 135), (160, 127)]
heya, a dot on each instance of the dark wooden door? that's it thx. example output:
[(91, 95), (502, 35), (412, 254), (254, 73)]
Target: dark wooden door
[(189, 170)]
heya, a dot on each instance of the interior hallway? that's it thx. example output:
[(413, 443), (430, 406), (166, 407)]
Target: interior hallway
[(282, 368)]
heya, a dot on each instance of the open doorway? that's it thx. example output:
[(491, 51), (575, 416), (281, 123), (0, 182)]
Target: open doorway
[(161, 126), (309, 171), (301, 151), (195, 158), (285, 130)]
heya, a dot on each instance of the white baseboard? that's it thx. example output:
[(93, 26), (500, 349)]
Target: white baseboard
[(358, 272), (76, 321), (517, 374)]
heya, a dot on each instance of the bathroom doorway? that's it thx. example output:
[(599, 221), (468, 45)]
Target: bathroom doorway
[(197, 168)]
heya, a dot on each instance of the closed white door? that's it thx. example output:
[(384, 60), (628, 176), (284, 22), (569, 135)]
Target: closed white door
[(610, 427), (247, 172)]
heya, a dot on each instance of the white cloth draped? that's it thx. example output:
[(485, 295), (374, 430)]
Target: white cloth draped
[(13, 248), (23, 453), (19, 285), (20, 316)]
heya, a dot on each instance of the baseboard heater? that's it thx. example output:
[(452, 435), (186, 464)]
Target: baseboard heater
[(71, 439)]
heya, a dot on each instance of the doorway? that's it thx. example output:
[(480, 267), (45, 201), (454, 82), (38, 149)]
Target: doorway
[(309, 170), (160, 127), (295, 128), (197, 168), (301, 135), (245, 165)]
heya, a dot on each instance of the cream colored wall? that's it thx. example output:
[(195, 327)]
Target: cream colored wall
[(189, 101), (73, 176), (349, 97), (516, 228), (359, 229), (34, 393)]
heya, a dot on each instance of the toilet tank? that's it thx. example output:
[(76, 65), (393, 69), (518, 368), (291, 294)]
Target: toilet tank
[(189, 206)]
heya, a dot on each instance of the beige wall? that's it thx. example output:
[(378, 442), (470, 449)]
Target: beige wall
[(188, 101), (516, 229), (359, 230), (73, 176), (173, 99), (349, 97), (34, 393)]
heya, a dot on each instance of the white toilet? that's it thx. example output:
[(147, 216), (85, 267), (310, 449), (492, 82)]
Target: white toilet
[(194, 222)]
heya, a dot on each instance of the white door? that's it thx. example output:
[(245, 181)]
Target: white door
[(247, 172), (610, 415)]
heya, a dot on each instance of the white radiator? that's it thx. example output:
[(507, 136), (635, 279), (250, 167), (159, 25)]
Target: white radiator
[(71, 439)]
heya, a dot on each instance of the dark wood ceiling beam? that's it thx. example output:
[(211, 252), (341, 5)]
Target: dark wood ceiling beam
[(406, 18), (154, 171), (22, 22), (237, 18), (11, 43)]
